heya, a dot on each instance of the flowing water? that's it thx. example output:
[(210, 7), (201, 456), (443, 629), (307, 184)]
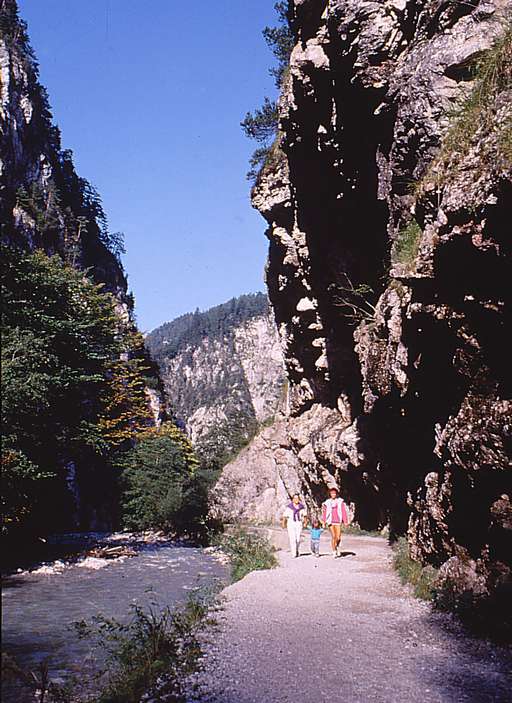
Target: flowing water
[(39, 608)]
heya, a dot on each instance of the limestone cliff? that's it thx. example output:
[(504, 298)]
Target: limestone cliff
[(223, 372), (44, 203), (388, 199)]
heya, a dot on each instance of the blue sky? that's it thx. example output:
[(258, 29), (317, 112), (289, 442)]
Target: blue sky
[(149, 96)]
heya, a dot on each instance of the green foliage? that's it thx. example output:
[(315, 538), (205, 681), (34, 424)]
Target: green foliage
[(280, 41), (164, 486), (43, 205), (21, 480), (475, 115), (406, 246), (421, 578), (153, 653), (262, 124), (247, 552), (61, 380), (59, 333), (353, 299)]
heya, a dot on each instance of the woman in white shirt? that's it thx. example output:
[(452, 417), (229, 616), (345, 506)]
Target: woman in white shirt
[(295, 517)]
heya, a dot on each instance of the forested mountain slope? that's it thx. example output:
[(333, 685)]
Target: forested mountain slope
[(222, 371)]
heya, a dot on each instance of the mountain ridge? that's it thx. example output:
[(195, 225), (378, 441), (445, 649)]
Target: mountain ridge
[(223, 372)]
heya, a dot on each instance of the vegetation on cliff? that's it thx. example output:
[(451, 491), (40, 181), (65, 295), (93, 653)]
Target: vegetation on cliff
[(43, 198), (476, 115), (261, 125), (218, 322)]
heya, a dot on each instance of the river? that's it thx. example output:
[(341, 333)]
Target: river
[(39, 608)]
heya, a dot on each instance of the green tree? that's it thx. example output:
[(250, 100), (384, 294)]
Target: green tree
[(61, 339), (164, 487), (262, 124)]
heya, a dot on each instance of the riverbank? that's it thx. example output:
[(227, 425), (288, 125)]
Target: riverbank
[(40, 606), (343, 629)]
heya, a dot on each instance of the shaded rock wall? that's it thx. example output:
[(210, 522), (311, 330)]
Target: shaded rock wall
[(400, 394)]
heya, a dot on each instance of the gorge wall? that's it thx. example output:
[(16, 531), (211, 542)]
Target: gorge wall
[(388, 198), (223, 373), (44, 203)]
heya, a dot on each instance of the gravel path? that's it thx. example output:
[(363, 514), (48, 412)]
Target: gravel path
[(287, 635)]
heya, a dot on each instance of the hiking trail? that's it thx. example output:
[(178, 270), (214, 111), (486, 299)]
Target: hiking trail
[(325, 629)]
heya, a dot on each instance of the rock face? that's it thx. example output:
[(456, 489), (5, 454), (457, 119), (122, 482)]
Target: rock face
[(223, 372), (389, 271), (36, 174)]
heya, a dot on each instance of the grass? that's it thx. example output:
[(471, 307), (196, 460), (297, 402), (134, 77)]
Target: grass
[(420, 577), (152, 654), (406, 246), (247, 552), (476, 115)]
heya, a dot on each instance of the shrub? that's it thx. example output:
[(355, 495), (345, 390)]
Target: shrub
[(163, 487), (406, 246), (354, 300), (34, 682), (153, 653), (420, 577), (247, 552)]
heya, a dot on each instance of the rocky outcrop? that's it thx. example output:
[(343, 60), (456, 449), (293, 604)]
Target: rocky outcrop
[(223, 373), (389, 268), (44, 203)]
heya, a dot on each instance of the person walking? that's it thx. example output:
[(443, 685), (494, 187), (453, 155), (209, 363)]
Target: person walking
[(334, 514), (315, 532), (295, 517)]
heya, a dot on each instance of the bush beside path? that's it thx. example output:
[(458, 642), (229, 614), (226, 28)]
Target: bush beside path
[(346, 630)]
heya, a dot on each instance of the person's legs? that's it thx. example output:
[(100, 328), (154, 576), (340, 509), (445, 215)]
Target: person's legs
[(332, 530), (291, 537), (337, 533), (315, 547), (294, 531), (298, 531)]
